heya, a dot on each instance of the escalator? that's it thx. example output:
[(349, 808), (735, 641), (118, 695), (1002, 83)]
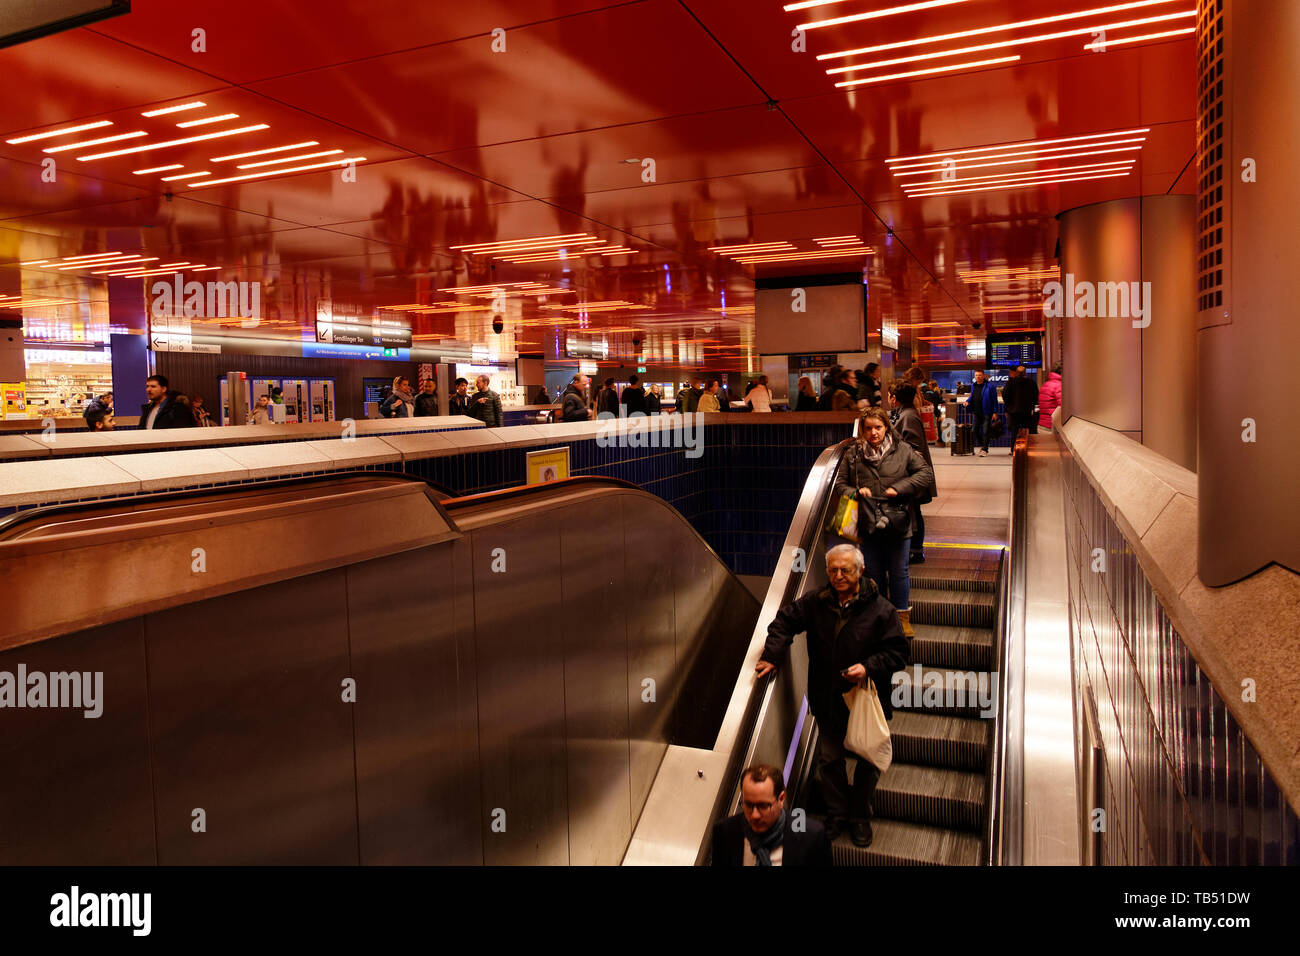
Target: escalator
[(355, 669), (950, 795)]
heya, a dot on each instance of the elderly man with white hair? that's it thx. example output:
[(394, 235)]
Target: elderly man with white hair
[(853, 633)]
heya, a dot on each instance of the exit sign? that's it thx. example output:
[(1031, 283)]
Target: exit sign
[(640, 368)]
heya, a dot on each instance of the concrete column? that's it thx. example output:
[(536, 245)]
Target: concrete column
[(1129, 363), (1248, 286)]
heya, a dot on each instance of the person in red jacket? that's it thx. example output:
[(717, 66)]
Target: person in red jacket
[(1049, 398)]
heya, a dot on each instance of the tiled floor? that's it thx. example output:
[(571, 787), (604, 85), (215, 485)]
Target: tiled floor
[(971, 487)]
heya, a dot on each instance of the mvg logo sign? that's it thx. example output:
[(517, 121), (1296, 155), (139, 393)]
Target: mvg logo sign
[(212, 300)]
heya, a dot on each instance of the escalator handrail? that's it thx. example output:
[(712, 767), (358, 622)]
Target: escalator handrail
[(1004, 838), (762, 691)]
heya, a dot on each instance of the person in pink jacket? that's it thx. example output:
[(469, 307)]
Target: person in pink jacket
[(1049, 399)]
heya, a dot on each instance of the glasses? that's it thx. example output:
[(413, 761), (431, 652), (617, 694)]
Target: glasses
[(760, 807), (834, 571)]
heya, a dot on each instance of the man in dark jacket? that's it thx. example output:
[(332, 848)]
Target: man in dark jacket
[(165, 408), (458, 403), (983, 406), (485, 404), (688, 399), (1020, 395), (910, 426), (761, 834), (607, 399), (634, 396), (869, 384), (103, 405), (426, 403), (573, 403), (853, 633)]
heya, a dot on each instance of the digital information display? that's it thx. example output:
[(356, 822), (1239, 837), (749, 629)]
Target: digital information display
[(1007, 350)]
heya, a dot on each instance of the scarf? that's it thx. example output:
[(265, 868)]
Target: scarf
[(404, 396), (877, 454), (764, 843)]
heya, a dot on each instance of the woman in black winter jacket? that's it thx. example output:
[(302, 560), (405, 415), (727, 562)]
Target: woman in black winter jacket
[(880, 464)]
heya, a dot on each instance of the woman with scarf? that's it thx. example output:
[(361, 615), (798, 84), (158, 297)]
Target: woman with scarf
[(400, 403), (882, 468)]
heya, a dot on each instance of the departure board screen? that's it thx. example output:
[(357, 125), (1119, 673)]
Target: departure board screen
[(1009, 349)]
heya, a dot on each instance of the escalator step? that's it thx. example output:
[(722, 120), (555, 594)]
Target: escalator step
[(950, 577), (953, 691), (895, 843), (931, 795), (959, 743), (954, 608), (940, 645)]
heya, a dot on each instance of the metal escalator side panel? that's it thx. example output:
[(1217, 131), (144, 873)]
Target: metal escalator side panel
[(142, 563)]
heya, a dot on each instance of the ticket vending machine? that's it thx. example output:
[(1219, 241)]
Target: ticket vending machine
[(296, 398), (322, 399), (263, 386)]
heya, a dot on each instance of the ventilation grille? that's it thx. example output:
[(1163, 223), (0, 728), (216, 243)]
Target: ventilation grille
[(1209, 154)]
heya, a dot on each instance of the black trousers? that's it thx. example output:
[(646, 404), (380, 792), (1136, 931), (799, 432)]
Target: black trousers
[(842, 801), (1021, 420), (918, 535)]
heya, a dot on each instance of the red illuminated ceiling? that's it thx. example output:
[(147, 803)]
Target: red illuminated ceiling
[(677, 149)]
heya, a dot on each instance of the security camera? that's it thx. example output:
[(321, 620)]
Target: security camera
[(497, 324), (975, 324), (636, 343)]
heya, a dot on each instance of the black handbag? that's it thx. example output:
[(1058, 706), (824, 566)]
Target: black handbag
[(883, 516)]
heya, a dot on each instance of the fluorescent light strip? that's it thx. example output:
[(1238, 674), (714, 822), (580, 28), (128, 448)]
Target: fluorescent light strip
[(800, 256), (1001, 44), (157, 169), (175, 109), (982, 31), (62, 131), (290, 159), (173, 142), (1098, 45), (1023, 156), (486, 246), (932, 70), (1009, 177), (92, 255), (205, 269), (207, 120), (546, 247), (1035, 182), (264, 152), (877, 14), (168, 179), (98, 263), (116, 271), (277, 172), (93, 142), (1027, 143), (33, 262), (837, 239)]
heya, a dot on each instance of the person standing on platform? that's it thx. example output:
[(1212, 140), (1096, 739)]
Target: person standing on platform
[(1049, 398), (104, 403), (607, 398), (634, 396), (909, 426), (869, 385), (1019, 395), (688, 399), (261, 412), (166, 408), (760, 396), (99, 420), (400, 403), (709, 400), (485, 404), (983, 405), (201, 416), (653, 403), (853, 634), (880, 464), (458, 402), (573, 403), (542, 397), (761, 834), (844, 397), (807, 401), (426, 403)]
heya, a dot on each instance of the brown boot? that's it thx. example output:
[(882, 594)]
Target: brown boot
[(906, 618)]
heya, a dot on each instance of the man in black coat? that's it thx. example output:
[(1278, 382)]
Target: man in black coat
[(763, 833), (1020, 395), (458, 401), (165, 408), (573, 403), (853, 633), (634, 397)]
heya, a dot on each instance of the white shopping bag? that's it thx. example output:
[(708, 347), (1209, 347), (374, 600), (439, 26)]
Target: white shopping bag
[(868, 733)]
